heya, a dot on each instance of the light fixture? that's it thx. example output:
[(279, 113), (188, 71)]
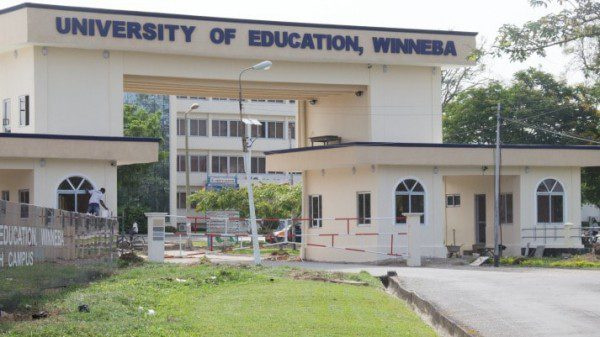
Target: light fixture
[(42, 162), (353, 170), (194, 106), (527, 169), (358, 93), (313, 101), (264, 65), (44, 51), (323, 172), (106, 54), (436, 170)]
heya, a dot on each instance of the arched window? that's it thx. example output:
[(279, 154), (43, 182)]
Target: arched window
[(550, 202), (410, 198), (72, 195)]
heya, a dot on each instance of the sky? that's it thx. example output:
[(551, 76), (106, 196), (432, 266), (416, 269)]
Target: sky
[(482, 16)]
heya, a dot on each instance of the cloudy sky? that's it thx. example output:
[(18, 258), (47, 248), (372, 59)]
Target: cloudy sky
[(483, 16)]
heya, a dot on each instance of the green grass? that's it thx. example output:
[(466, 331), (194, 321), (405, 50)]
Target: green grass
[(224, 301), (576, 262)]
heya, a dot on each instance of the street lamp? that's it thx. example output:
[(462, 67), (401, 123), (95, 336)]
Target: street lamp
[(264, 65), (187, 159)]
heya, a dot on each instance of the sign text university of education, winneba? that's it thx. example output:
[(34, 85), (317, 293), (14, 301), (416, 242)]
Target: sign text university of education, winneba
[(256, 38)]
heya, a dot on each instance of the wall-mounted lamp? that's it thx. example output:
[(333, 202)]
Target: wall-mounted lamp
[(44, 51), (353, 170), (313, 101), (113, 163), (527, 169), (106, 54), (359, 93), (323, 172), (42, 162), (436, 170)]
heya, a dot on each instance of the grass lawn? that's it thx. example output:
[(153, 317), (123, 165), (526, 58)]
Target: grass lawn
[(223, 301), (548, 262), (264, 251)]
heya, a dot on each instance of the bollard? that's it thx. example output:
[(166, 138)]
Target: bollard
[(568, 233), (413, 222), (156, 236)]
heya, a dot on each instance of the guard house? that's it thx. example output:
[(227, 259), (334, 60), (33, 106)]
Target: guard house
[(370, 94)]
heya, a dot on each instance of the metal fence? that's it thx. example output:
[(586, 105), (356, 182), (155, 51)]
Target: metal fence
[(44, 249)]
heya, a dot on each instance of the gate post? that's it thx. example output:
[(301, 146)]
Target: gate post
[(156, 236), (568, 233), (413, 222)]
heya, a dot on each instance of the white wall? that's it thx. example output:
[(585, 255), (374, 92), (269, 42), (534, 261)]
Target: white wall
[(79, 92), (405, 104), (17, 79)]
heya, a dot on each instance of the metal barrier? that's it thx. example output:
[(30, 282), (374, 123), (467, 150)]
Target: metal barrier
[(560, 235), (45, 248)]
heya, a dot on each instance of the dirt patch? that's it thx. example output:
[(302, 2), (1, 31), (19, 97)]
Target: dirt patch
[(324, 277)]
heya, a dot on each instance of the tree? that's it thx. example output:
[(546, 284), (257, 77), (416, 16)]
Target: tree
[(576, 28), (456, 80), (143, 188), (272, 201), (534, 98)]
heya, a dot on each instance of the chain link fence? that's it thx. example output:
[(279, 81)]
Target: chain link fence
[(45, 249)]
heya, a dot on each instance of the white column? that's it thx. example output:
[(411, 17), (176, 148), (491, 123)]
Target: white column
[(413, 222), (156, 236)]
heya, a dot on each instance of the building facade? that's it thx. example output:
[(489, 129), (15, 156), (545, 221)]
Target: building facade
[(368, 125), (214, 136)]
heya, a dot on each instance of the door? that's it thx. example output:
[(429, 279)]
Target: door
[(480, 218)]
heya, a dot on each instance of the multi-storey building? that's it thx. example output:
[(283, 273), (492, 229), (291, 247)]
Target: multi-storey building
[(215, 150)]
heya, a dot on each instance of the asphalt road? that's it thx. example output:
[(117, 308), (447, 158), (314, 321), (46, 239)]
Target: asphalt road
[(503, 301)]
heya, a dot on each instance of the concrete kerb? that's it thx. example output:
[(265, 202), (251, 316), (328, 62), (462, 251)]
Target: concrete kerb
[(443, 324)]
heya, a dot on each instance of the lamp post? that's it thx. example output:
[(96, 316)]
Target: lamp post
[(187, 158), (246, 131)]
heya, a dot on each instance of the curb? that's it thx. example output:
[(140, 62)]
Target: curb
[(424, 308)]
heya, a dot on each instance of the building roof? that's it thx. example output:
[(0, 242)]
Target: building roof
[(229, 20), (430, 154), (121, 150)]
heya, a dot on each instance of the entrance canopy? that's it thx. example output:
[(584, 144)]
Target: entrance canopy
[(76, 27), (416, 154)]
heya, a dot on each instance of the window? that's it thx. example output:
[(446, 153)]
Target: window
[(180, 163), (24, 196), (258, 131), (197, 163), (410, 198), (236, 129), (181, 200), (180, 126), (24, 110), (5, 195), (258, 165), (24, 200), (219, 128), (236, 165), (72, 194), (364, 208), (219, 164), (197, 127), (452, 200), (6, 114), (550, 202), (275, 130), (506, 208), (315, 210), (292, 130)]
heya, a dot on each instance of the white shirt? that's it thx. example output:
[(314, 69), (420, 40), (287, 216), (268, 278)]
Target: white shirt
[(95, 197)]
